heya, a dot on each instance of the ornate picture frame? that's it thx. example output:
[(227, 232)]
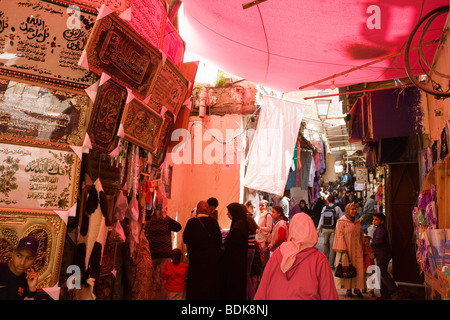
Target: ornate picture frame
[(148, 18), (36, 178), (170, 89), (173, 45), (106, 116), (141, 125), (117, 50), (163, 140), (46, 115), (47, 227), (37, 44)]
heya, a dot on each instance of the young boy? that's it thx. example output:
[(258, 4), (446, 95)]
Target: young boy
[(175, 276), (18, 280), (382, 250)]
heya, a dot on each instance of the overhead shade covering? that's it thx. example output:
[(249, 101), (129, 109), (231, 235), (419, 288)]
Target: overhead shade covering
[(273, 147), (287, 44)]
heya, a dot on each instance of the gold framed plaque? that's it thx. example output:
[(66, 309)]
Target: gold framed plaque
[(141, 125), (47, 227), (38, 178), (51, 116), (170, 89), (42, 41)]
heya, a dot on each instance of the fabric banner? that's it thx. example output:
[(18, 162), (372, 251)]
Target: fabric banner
[(273, 146)]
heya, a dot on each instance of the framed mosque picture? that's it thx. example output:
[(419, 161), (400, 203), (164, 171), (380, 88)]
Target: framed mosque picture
[(141, 125), (42, 41), (38, 178), (42, 115), (47, 227)]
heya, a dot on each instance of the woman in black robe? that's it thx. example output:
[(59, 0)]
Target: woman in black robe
[(203, 239), (235, 255)]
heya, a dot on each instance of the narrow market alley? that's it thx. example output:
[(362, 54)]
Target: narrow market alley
[(213, 151)]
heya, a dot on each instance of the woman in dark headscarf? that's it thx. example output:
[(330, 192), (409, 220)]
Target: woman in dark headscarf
[(203, 240), (235, 254)]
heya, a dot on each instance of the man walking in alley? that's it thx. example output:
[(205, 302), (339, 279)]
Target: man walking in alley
[(327, 225)]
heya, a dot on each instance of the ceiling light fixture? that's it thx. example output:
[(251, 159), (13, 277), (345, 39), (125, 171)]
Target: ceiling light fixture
[(251, 4)]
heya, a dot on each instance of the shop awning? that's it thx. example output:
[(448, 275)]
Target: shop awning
[(290, 44)]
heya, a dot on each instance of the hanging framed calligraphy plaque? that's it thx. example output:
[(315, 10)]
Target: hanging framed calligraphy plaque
[(141, 125), (42, 114), (106, 115), (163, 141), (42, 40), (47, 227), (117, 50), (38, 178), (173, 45), (148, 18), (170, 89)]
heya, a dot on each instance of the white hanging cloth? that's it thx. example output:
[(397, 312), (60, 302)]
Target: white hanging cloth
[(273, 146)]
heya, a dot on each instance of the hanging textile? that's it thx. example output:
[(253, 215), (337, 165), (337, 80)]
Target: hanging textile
[(273, 146), (396, 113), (306, 159), (356, 130)]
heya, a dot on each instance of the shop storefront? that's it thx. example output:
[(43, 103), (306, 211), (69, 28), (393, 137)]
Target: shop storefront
[(90, 95)]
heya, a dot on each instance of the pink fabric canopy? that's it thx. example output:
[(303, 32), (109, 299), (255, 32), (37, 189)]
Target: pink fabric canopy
[(287, 44)]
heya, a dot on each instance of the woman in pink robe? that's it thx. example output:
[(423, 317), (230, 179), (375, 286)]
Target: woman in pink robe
[(348, 242), (297, 270)]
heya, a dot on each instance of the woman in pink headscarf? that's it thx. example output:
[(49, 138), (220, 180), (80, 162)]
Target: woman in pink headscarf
[(297, 270)]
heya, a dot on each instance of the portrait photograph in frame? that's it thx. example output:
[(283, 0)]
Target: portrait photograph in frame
[(47, 227), (42, 41), (141, 125)]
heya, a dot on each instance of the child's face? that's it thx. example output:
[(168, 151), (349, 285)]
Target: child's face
[(275, 214), (377, 221), (366, 242), (21, 261)]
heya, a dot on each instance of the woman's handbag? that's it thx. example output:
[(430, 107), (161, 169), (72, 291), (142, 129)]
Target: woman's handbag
[(346, 272)]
